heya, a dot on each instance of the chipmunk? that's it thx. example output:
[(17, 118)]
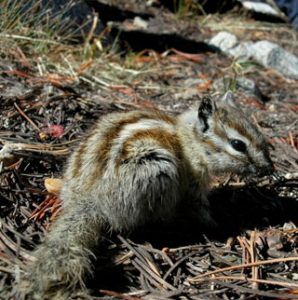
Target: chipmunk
[(136, 167)]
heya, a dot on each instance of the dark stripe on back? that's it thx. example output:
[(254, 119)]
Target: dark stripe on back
[(104, 146), (80, 153), (164, 139)]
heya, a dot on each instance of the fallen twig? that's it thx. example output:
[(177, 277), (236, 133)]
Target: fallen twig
[(242, 266)]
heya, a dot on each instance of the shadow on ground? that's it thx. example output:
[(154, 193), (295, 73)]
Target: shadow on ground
[(236, 211)]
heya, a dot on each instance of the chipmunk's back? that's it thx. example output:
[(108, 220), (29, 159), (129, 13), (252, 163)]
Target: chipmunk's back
[(130, 161), (120, 137)]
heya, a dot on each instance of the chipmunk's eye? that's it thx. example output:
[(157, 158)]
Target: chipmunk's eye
[(238, 145)]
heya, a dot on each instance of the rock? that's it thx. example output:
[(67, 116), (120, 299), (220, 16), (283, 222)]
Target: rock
[(248, 86), (264, 52), (259, 7), (273, 56), (140, 23), (224, 41), (243, 84), (228, 44), (242, 51)]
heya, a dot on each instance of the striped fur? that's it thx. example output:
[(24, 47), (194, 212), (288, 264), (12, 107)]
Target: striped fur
[(133, 168)]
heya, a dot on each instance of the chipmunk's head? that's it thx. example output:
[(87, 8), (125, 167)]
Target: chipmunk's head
[(231, 142)]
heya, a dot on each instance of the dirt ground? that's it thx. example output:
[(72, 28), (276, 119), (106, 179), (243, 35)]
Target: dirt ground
[(50, 98)]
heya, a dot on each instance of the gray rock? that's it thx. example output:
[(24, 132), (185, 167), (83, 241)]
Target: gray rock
[(224, 41), (262, 8), (140, 23), (248, 86), (243, 84), (266, 53), (273, 56), (242, 51), (228, 44)]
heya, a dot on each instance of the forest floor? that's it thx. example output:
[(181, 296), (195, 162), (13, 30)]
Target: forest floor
[(51, 93)]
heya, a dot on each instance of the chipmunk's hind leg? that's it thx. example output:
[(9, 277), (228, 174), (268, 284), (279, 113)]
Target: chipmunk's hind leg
[(147, 190)]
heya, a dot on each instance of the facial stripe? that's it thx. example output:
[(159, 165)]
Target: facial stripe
[(234, 134), (242, 126), (242, 131), (215, 148), (220, 132)]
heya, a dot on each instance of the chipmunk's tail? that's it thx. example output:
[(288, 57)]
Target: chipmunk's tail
[(64, 259)]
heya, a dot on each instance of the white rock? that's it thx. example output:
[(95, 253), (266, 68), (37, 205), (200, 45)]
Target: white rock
[(243, 50), (273, 56), (224, 41), (266, 53), (140, 23), (228, 44), (259, 7)]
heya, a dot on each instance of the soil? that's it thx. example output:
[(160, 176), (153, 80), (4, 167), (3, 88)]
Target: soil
[(48, 102)]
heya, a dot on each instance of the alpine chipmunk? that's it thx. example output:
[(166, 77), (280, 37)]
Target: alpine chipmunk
[(135, 167)]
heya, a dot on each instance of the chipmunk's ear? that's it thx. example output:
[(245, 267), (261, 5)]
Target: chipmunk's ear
[(228, 98), (206, 110)]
